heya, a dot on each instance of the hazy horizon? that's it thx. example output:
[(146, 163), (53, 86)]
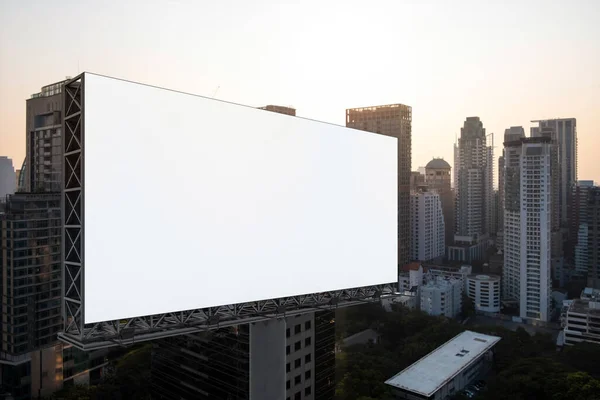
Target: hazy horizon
[(506, 63)]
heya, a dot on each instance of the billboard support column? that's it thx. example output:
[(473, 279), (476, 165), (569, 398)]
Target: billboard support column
[(72, 208)]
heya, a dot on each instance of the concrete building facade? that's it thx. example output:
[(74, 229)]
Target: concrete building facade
[(392, 120), (427, 226), (484, 290), (584, 237), (438, 178), (528, 225), (473, 214), (512, 213), (565, 131), (44, 140), (7, 178), (581, 319), (442, 296)]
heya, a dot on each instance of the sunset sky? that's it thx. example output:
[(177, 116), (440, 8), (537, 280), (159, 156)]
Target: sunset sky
[(507, 62)]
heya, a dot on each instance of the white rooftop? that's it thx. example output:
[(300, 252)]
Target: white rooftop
[(431, 372)]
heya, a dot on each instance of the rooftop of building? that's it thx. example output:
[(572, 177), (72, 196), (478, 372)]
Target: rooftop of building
[(583, 306), (51, 90), (377, 108), (484, 277), (413, 266), (527, 140), (431, 372), (438, 163)]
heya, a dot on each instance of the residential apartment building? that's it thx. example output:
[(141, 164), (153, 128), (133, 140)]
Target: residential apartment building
[(528, 225), (484, 290), (7, 178), (442, 296), (427, 226), (512, 213), (584, 237), (31, 291), (473, 213), (565, 135), (438, 179), (392, 120), (44, 140), (417, 180), (558, 235)]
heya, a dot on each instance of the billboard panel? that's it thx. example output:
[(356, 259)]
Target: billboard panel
[(191, 202)]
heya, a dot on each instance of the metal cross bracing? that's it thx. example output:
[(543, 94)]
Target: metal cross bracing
[(138, 329), (131, 330)]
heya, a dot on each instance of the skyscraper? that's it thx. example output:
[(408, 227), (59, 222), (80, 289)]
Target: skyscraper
[(417, 180), (558, 235), (427, 225), (565, 130), (585, 231), (31, 358), (392, 120), (43, 146), (7, 177), (528, 224), (473, 214), (500, 229), (438, 179), (30, 238)]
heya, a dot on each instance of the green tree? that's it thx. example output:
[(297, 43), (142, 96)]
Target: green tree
[(583, 356)]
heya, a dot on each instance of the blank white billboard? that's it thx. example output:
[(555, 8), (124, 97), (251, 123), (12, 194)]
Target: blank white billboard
[(191, 202)]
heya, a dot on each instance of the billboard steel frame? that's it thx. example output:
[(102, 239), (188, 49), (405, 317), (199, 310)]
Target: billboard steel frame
[(132, 330)]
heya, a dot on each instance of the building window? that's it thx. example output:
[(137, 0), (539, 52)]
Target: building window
[(297, 379), (307, 325), (307, 341), (297, 363), (307, 357), (307, 391), (287, 350), (287, 367), (297, 345), (287, 332), (287, 385), (297, 329), (298, 396), (307, 375)]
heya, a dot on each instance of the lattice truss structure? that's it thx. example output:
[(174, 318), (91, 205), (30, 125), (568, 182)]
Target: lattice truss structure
[(127, 331)]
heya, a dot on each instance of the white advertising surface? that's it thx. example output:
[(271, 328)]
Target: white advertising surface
[(191, 202)]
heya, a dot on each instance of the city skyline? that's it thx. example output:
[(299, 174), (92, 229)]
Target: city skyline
[(322, 66)]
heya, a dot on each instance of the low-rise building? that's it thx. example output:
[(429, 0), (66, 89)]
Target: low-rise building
[(411, 275), (447, 370), (442, 296), (484, 290), (581, 318)]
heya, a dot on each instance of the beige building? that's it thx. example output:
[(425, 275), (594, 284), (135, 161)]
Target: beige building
[(392, 120)]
